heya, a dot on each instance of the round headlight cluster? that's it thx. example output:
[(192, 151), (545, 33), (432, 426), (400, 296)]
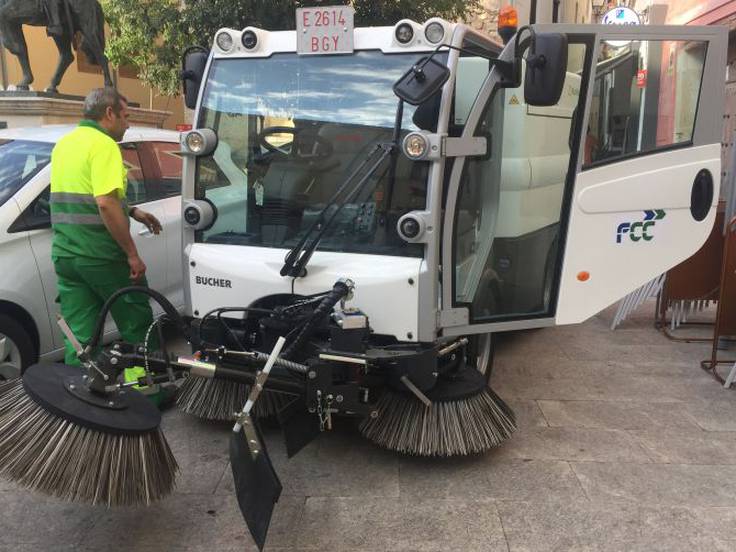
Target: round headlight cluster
[(416, 146), (434, 32), (249, 39), (194, 142), (404, 33), (224, 41)]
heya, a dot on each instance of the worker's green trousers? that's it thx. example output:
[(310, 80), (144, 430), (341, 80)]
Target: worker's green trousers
[(84, 286)]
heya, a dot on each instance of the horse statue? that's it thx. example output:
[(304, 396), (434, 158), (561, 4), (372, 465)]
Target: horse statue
[(62, 19)]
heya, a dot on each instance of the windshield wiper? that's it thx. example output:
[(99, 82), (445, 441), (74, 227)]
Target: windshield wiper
[(298, 257)]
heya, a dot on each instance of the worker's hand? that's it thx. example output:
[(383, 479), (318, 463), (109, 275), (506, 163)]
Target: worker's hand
[(137, 268), (148, 219)]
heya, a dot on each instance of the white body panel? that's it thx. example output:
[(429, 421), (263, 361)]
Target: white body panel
[(382, 284), (614, 194), (20, 280)]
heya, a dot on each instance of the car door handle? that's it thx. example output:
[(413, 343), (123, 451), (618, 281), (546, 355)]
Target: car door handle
[(144, 232)]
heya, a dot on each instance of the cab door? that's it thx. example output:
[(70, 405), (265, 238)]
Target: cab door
[(582, 202)]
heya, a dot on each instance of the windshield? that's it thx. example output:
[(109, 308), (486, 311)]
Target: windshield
[(290, 130), (20, 160)]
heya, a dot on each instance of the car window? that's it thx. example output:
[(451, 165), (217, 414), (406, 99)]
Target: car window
[(36, 216), (167, 180), (20, 160), (136, 188)]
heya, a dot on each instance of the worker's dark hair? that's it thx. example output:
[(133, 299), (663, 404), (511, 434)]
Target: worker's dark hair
[(97, 102)]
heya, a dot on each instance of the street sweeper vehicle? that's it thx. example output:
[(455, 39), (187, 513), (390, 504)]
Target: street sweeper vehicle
[(362, 209)]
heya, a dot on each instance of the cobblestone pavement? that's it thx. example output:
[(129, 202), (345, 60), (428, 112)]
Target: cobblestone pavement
[(624, 444)]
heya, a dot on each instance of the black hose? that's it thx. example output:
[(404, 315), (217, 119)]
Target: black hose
[(339, 291), (165, 304)]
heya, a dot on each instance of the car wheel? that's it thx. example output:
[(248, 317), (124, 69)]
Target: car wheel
[(16, 348)]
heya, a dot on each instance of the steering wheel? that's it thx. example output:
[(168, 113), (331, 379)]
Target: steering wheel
[(311, 147)]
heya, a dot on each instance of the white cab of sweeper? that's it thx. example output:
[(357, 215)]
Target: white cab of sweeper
[(569, 207)]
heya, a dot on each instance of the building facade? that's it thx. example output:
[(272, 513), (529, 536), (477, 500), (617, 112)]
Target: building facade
[(81, 77)]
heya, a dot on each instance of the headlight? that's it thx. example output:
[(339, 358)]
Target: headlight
[(434, 32), (249, 39), (201, 141), (404, 33), (224, 41), (195, 142), (416, 146)]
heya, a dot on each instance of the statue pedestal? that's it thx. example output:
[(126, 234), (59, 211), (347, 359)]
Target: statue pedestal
[(31, 109)]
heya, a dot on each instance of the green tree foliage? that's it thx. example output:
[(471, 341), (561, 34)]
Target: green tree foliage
[(151, 35)]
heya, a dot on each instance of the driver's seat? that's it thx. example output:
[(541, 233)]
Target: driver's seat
[(283, 188)]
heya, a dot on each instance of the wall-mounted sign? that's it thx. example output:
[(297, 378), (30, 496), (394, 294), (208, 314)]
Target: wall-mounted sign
[(620, 16)]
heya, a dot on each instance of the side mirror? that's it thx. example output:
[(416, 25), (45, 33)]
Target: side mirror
[(421, 81), (193, 63), (546, 67)]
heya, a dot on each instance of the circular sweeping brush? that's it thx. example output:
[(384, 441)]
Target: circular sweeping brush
[(466, 417), (58, 438), (221, 400)]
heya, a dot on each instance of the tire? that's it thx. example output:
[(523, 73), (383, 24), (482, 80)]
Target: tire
[(16, 348), (480, 353)]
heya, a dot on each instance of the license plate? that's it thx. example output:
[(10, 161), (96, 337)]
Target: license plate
[(325, 30)]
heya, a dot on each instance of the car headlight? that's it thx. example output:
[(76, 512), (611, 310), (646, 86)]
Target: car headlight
[(416, 146), (434, 32), (224, 41)]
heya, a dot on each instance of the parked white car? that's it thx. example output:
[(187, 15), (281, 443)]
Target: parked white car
[(28, 306)]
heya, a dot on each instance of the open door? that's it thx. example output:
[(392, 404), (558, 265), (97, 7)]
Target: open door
[(582, 202)]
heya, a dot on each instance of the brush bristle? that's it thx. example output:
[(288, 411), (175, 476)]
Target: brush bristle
[(213, 399), (46, 453), (453, 428)]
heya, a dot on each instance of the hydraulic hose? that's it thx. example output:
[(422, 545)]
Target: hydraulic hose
[(340, 290), (165, 304)]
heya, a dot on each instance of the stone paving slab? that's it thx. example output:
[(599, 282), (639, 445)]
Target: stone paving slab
[(688, 447), (624, 444), (563, 443), (42, 522), (485, 478), (714, 415), (418, 524), (564, 526), (627, 415), (658, 484)]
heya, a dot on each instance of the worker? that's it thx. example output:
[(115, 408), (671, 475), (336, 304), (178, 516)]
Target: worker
[(92, 249)]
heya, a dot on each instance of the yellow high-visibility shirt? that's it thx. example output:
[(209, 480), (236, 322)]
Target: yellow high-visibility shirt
[(85, 163)]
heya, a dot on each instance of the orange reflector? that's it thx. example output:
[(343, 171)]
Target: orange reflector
[(584, 276), (508, 17)]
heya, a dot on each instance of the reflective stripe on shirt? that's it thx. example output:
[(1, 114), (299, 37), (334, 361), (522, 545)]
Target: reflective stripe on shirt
[(74, 218), (68, 197)]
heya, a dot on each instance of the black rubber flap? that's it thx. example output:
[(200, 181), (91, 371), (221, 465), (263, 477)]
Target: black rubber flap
[(467, 383), (299, 426), (44, 383), (256, 484)]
